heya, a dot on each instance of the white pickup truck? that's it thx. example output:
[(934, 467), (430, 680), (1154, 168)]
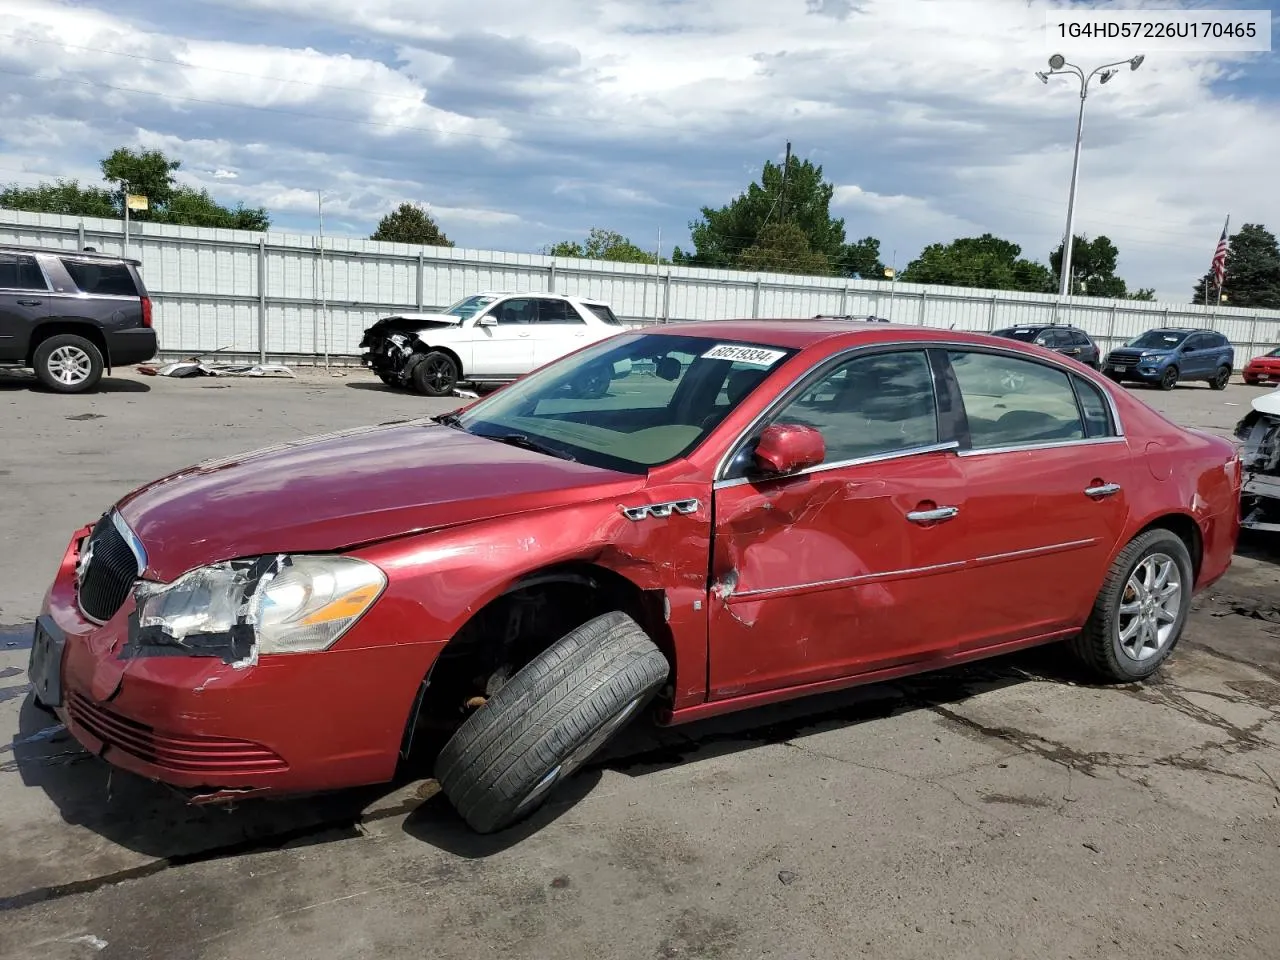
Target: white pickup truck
[(487, 338)]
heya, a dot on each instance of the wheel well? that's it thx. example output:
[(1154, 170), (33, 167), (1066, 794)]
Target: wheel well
[(1186, 530), (447, 352), (54, 327), (512, 629)]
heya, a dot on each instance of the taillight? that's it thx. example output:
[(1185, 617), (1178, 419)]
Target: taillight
[(146, 311)]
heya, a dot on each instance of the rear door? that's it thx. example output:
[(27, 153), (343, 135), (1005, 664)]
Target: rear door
[(856, 564), (1198, 356), (1046, 475), (24, 302), (559, 330)]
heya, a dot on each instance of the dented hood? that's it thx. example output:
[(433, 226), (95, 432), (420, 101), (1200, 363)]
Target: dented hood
[(1268, 403), (338, 490)]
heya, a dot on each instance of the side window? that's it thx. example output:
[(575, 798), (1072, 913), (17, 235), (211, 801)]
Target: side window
[(557, 311), (1097, 413), (516, 310), (604, 314), (18, 272), (1013, 402), (870, 405), (1080, 338), (103, 279)]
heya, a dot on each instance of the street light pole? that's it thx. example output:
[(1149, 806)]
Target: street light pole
[(1058, 65)]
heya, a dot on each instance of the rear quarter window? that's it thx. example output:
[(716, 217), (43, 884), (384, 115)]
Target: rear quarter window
[(603, 314), (103, 279)]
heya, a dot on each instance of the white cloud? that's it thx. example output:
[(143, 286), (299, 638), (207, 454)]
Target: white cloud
[(631, 114)]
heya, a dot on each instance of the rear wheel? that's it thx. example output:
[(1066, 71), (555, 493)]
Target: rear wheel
[(68, 363), (548, 719), (389, 380), (1169, 379), (1221, 378), (1139, 615), (436, 374)]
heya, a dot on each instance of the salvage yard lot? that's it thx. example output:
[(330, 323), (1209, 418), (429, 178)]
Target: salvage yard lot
[(1003, 810)]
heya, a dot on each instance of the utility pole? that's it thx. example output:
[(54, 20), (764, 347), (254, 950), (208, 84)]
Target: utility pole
[(124, 202), (786, 168), (324, 296)]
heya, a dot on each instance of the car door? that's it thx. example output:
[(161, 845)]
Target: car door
[(502, 339), (1046, 475), (24, 302), (1196, 360), (853, 565), (559, 330)]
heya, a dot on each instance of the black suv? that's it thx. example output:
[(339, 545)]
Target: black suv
[(68, 315), (1070, 341)]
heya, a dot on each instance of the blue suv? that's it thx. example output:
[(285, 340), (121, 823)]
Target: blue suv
[(1167, 355)]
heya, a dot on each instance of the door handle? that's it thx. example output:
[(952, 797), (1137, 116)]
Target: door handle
[(1073, 351), (31, 303), (935, 515), (524, 334), (1102, 490)]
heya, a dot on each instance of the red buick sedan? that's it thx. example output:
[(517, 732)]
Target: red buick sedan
[(754, 511), (1263, 369)]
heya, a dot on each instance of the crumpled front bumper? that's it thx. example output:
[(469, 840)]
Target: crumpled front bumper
[(293, 723)]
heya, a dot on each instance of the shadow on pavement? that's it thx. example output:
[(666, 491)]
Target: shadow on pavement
[(22, 380), (150, 819)]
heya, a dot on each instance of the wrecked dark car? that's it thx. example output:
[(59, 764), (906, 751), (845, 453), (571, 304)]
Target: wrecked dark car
[(757, 510), (1259, 430)]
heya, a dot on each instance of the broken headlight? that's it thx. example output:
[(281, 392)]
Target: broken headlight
[(282, 604)]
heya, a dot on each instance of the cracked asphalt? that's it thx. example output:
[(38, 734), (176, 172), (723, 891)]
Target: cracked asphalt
[(1007, 809)]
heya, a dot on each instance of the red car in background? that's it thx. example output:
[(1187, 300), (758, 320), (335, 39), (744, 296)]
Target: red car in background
[(1263, 369), (756, 510)]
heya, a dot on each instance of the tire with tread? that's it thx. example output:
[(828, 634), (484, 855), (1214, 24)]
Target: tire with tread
[(1221, 378), (45, 352), (1097, 646), (493, 766), (436, 374), (1169, 379)]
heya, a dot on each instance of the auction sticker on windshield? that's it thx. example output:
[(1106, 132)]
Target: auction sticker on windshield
[(754, 356)]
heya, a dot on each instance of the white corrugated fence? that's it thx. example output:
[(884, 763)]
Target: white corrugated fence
[(281, 295)]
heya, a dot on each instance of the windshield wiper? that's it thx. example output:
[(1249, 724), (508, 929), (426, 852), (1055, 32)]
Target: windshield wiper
[(528, 443), (449, 420)]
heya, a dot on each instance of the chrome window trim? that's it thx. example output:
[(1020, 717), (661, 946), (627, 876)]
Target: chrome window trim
[(850, 353), (1053, 444), (841, 464)]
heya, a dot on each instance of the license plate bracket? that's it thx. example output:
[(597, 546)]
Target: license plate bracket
[(45, 666)]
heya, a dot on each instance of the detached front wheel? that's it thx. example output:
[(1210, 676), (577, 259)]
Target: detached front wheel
[(548, 719)]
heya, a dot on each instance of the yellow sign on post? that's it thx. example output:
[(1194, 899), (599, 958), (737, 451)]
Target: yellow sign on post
[(135, 201)]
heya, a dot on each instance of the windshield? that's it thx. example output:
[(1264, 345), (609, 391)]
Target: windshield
[(1158, 339), (1026, 334), (628, 403), (1274, 353), (468, 306)]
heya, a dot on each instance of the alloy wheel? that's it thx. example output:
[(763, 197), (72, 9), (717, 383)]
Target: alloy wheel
[(70, 365), (1149, 607)]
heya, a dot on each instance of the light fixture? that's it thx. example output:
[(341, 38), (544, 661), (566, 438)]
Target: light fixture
[(1044, 77), (1136, 62), (1057, 60), (1106, 76)]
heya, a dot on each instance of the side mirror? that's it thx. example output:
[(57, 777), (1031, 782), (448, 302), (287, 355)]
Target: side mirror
[(787, 447), (488, 320)]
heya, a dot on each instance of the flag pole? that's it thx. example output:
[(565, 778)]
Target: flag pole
[(1226, 228)]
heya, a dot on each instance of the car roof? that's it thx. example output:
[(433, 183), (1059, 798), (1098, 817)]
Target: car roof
[(75, 254), (539, 293), (1042, 326), (798, 334)]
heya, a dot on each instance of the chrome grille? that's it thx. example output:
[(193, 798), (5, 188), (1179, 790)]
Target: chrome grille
[(107, 573)]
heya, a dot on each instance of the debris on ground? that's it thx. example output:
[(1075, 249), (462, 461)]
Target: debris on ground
[(195, 367)]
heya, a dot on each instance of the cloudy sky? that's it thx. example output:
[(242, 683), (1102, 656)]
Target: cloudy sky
[(523, 123)]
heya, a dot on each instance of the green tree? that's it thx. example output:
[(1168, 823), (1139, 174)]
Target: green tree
[(149, 173), (722, 236), (1253, 271), (862, 259), (782, 247), (64, 196), (410, 223), (146, 172), (1093, 270), (985, 261), (602, 244)]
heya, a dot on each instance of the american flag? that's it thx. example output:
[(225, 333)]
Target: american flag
[(1220, 257)]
